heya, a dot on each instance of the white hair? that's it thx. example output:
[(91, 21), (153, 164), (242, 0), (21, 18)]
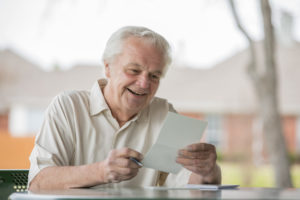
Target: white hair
[(115, 42)]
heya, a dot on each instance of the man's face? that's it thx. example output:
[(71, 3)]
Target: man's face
[(133, 76)]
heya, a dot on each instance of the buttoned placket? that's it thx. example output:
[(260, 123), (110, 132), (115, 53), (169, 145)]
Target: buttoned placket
[(117, 127)]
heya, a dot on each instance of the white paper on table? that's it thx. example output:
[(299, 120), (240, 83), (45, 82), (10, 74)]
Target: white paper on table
[(195, 187), (210, 187), (177, 132)]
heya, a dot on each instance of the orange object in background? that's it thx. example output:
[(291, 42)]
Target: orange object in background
[(15, 151)]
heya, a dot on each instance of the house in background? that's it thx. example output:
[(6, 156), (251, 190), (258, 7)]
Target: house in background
[(222, 95), (26, 91)]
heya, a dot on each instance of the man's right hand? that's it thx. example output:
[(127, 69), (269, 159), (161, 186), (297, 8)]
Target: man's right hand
[(115, 168), (118, 167)]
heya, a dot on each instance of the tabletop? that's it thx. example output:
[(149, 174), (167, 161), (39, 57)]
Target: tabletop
[(146, 193)]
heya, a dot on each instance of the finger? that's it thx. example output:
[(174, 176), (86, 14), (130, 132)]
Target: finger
[(200, 147), (193, 155), (119, 174), (127, 171), (203, 170), (135, 161), (192, 162), (128, 177), (207, 159), (127, 152), (126, 163)]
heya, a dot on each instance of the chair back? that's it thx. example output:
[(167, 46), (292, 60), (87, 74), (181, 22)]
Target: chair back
[(12, 180)]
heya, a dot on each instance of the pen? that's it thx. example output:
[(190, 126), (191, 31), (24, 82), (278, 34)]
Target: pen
[(136, 161)]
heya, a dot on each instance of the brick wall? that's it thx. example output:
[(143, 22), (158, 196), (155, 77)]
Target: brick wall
[(239, 134), (239, 130), (289, 128), (4, 123)]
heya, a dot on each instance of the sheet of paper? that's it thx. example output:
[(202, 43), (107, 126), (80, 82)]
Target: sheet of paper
[(195, 187), (210, 187), (177, 132)]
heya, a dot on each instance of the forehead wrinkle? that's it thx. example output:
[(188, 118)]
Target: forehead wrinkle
[(135, 64), (135, 58), (145, 45)]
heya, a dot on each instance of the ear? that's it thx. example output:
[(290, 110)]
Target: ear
[(107, 69)]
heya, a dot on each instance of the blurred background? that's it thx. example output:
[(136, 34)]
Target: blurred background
[(49, 46)]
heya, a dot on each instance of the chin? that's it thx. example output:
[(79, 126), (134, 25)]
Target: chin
[(137, 107)]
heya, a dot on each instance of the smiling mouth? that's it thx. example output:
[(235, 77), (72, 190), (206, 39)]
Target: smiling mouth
[(138, 94)]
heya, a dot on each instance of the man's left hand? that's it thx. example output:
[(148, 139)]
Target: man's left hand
[(200, 158)]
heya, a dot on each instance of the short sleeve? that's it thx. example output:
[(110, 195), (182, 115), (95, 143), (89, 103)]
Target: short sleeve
[(178, 180), (54, 143), (171, 108)]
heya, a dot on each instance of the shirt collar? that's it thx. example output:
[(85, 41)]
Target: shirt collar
[(98, 103), (97, 100)]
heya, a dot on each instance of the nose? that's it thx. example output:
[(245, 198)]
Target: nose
[(144, 81)]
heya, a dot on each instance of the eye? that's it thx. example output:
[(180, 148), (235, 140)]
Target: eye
[(133, 71), (154, 77)]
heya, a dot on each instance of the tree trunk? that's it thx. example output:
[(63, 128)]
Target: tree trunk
[(266, 90), (265, 84)]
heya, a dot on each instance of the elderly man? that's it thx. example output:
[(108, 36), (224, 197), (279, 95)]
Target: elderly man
[(87, 138)]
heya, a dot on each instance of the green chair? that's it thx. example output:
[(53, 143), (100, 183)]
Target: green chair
[(12, 181)]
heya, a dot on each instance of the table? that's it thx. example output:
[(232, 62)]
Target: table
[(145, 193)]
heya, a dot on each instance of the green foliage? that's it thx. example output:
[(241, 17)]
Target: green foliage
[(296, 175), (294, 157), (232, 157), (231, 174), (219, 156), (247, 175)]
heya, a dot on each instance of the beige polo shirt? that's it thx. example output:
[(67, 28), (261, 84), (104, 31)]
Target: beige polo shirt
[(79, 129)]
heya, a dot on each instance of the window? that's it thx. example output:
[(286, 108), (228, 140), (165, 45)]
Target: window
[(25, 121), (298, 135), (214, 131)]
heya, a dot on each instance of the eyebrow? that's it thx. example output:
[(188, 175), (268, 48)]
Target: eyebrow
[(134, 64), (140, 66)]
